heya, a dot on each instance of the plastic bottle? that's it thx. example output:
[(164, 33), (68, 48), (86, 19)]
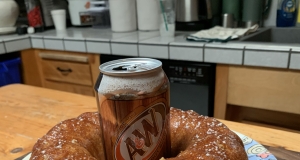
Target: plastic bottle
[(286, 13)]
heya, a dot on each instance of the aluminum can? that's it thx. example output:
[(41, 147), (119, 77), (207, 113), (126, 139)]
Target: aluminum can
[(134, 109)]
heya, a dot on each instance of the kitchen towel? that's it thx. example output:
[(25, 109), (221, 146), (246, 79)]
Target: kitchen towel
[(221, 34)]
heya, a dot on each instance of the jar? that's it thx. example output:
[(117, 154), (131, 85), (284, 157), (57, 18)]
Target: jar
[(9, 12)]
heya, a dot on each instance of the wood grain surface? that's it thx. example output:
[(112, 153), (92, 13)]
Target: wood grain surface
[(276, 90), (52, 69), (28, 112), (221, 91)]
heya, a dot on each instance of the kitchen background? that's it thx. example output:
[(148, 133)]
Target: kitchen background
[(195, 77), (191, 15)]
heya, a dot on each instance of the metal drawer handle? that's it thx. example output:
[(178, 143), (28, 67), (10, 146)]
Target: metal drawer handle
[(64, 71)]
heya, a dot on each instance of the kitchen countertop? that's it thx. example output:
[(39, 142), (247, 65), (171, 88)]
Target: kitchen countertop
[(28, 112), (150, 44)]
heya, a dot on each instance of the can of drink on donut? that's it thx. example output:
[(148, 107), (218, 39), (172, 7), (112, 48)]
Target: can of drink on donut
[(134, 109)]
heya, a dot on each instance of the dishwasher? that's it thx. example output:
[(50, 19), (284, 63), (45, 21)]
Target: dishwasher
[(192, 84)]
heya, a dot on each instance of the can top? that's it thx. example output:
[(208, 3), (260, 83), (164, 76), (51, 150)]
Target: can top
[(130, 66)]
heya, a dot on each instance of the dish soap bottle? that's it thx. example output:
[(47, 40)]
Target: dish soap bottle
[(286, 13)]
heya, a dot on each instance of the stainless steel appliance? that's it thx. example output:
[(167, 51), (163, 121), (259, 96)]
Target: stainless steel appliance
[(193, 14), (191, 84)]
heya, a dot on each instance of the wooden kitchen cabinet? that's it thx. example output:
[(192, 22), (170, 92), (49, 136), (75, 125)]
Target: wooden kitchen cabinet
[(263, 95), (66, 71)]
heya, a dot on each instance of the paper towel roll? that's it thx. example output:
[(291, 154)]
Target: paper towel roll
[(148, 14), (123, 15)]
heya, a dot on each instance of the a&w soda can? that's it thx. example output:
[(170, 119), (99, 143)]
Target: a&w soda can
[(134, 107)]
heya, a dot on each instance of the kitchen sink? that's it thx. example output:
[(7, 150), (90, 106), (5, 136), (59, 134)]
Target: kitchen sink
[(275, 35)]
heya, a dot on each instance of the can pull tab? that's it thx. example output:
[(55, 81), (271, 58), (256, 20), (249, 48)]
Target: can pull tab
[(133, 67), (120, 68)]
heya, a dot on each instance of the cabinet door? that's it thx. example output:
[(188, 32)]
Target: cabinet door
[(270, 89)]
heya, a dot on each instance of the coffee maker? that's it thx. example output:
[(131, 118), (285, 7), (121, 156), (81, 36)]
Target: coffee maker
[(195, 15)]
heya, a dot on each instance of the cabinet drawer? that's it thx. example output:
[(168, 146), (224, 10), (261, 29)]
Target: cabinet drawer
[(85, 90), (77, 73)]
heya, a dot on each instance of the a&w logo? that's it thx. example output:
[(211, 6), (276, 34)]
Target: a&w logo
[(139, 140)]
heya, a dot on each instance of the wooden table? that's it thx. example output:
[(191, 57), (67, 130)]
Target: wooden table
[(27, 113)]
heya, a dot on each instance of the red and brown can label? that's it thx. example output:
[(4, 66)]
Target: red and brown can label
[(143, 135)]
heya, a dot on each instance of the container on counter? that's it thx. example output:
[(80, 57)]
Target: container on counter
[(286, 13), (34, 15), (232, 7), (167, 18), (59, 19)]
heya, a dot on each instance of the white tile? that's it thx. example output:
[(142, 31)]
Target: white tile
[(266, 58), (55, 44), (154, 51), (186, 53), (37, 43), (158, 41), (231, 45), (268, 47), (17, 45), (74, 45), (295, 61), (181, 41), (98, 47), (125, 49), (222, 55), (2, 48), (136, 37), (12, 37)]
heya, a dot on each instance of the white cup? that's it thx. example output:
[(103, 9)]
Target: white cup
[(59, 19)]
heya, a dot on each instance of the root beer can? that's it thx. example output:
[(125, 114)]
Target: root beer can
[(134, 109)]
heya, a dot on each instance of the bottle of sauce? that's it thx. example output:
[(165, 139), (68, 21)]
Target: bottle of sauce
[(286, 13)]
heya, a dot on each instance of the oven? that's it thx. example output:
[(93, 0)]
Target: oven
[(191, 84)]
